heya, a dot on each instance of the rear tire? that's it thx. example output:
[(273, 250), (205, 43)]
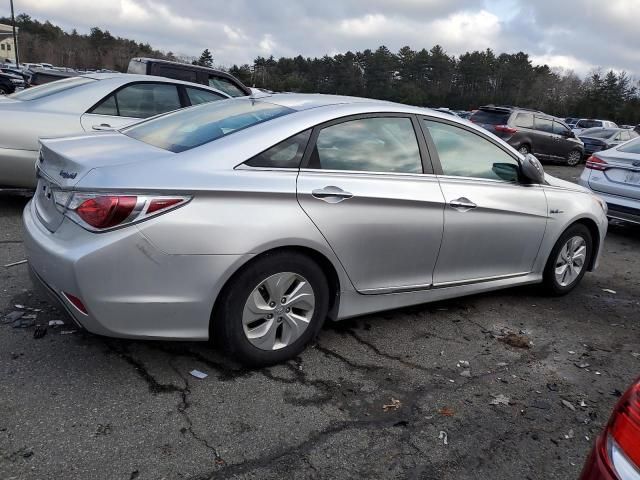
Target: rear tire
[(524, 149), (568, 260), (280, 329), (574, 158)]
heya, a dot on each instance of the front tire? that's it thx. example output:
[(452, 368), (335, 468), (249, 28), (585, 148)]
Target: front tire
[(271, 309), (568, 260), (574, 158), (524, 150)]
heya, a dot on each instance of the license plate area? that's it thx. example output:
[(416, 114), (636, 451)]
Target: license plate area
[(632, 178)]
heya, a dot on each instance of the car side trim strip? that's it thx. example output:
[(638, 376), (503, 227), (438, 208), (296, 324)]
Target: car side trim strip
[(406, 289), (457, 283)]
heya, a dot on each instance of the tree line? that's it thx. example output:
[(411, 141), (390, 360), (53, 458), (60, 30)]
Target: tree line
[(417, 77)]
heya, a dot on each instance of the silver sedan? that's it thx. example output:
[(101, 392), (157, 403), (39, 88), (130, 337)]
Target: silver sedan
[(250, 221), (99, 101)]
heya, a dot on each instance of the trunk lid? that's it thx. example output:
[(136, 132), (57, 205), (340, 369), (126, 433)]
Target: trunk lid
[(622, 177)]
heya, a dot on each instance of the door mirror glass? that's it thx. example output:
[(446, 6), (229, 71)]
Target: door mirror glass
[(506, 171), (532, 169)]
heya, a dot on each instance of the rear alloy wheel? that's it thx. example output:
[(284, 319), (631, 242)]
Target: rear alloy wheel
[(271, 309), (568, 261), (574, 158), (524, 149)]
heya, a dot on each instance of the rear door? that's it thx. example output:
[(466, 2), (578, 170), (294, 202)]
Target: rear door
[(493, 224), (545, 144), (363, 184)]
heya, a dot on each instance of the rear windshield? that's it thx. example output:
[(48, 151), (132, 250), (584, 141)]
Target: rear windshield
[(490, 117), (191, 127), (630, 147), (50, 88), (600, 133), (589, 123)]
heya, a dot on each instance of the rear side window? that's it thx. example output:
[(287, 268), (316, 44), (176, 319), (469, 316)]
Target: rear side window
[(524, 120), (490, 117), (631, 147), (385, 144), (198, 96), (544, 124), (192, 127), (147, 99), (107, 107), (226, 86), (286, 154)]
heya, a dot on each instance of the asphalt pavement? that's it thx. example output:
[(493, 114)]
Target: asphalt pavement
[(389, 395)]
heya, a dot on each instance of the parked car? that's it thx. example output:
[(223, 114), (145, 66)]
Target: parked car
[(530, 131), (250, 221), (585, 123), (190, 73), (614, 175), (9, 82), (596, 139), (571, 121), (447, 111), (616, 452), (40, 76), (20, 73), (83, 103)]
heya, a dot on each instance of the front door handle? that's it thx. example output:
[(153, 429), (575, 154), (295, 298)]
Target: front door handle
[(331, 194), (102, 126), (462, 204)]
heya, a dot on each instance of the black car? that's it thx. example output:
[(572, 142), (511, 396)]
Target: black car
[(20, 73), (189, 73), (9, 82), (596, 139), (531, 131)]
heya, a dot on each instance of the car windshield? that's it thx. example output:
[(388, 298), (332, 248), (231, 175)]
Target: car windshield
[(631, 147), (189, 128), (490, 117), (47, 89), (599, 133)]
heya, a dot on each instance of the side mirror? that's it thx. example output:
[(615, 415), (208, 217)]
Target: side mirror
[(532, 169)]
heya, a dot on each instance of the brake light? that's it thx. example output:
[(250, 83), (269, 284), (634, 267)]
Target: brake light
[(624, 425), (505, 129), (596, 163), (76, 302), (98, 212)]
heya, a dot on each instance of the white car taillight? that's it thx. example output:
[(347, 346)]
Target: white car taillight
[(104, 211)]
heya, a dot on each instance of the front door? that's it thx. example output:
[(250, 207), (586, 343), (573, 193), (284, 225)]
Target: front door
[(363, 186), (493, 224)]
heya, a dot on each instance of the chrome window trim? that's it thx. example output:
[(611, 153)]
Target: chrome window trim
[(318, 171)]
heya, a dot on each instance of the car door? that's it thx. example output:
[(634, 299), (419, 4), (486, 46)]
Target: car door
[(130, 104), (363, 184), (561, 134), (545, 141), (493, 223)]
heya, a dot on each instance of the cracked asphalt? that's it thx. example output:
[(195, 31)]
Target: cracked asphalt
[(374, 397)]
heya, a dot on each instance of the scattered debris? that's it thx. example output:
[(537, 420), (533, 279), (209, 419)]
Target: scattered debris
[(21, 307), (462, 363), (616, 393), (598, 373), (569, 435), (12, 317), (393, 405), (582, 365), (40, 331), (569, 405), (401, 423), (499, 399), (571, 352), (25, 322), (552, 386), (444, 437), (582, 403), (502, 364), (55, 323), (446, 412), (465, 373), (67, 332), (103, 429), (636, 355), (541, 405), (516, 341), (608, 290), (15, 263), (198, 374)]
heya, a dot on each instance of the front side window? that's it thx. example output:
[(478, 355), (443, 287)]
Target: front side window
[(143, 100), (560, 129), (385, 144), (465, 154), (226, 86), (524, 120), (198, 96), (192, 127), (286, 154)]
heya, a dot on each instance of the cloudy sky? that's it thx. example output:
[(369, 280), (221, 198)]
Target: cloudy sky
[(572, 34)]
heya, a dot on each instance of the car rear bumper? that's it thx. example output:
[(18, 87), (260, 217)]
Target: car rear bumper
[(619, 208), (129, 288)]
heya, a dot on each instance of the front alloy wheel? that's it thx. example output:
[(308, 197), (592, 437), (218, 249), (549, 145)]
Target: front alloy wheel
[(570, 261), (574, 158)]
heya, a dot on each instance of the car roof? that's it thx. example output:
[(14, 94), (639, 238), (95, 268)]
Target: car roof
[(132, 77), (306, 101)]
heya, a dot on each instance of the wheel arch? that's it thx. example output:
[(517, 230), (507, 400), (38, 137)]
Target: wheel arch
[(592, 226)]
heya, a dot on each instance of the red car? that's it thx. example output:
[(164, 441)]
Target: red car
[(616, 453)]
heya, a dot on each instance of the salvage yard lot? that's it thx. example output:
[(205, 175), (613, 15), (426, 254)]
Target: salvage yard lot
[(375, 397)]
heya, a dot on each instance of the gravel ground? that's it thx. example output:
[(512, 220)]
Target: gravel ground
[(382, 396)]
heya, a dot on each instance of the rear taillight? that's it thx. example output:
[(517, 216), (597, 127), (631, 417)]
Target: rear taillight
[(505, 129), (104, 211), (596, 163), (624, 425)]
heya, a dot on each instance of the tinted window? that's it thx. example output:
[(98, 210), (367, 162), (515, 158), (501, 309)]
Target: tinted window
[(631, 147), (198, 96), (144, 100), (466, 154), (560, 129), (544, 124), (107, 107), (47, 89), (524, 120), (225, 86), (490, 117), (192, 127), (286, 154), (588, 123), (369, 144), (177, 73)]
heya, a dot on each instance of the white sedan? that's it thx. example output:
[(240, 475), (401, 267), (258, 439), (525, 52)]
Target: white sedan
[(101, 101)]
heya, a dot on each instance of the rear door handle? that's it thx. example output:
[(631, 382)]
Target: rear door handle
[(331, 194), (462, 204)]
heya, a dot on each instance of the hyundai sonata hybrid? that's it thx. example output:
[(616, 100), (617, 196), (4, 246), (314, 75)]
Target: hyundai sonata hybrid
[(250, 221)]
